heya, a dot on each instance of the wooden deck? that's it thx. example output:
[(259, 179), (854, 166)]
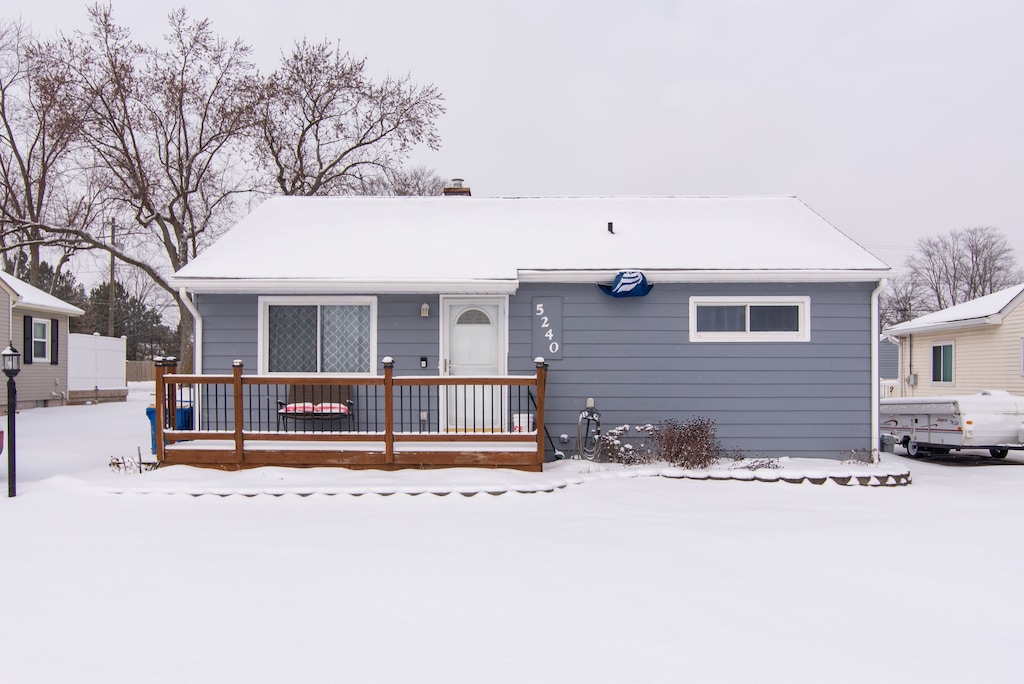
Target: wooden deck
[(381, 422)]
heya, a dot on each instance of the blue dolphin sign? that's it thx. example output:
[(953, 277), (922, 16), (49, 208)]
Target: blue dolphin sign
[(627, 284)]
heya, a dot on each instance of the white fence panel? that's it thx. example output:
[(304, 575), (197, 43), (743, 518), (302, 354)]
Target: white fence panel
[(96, 362)]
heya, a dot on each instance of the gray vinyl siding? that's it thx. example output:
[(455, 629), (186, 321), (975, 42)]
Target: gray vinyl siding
[(229, 332), (888, 360), (633, 356), (230, 322)]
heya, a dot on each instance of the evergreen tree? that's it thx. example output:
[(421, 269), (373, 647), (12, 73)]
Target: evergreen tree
[(134, 319)]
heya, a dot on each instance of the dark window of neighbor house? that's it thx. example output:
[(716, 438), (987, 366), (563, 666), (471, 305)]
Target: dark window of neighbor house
[(319, 338), (942, 362)]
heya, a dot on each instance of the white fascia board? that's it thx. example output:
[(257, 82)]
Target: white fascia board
[(509, 287), (898, 331), (998, 316), (724, 276), (289, 285), (66, 310)]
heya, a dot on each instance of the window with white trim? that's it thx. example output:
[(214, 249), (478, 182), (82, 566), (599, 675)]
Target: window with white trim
[(750, 319), (942, 362), (41, 340), (302, 335)]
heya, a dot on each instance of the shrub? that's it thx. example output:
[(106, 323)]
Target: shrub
[(689, 444), (759, 464), (615, 447)]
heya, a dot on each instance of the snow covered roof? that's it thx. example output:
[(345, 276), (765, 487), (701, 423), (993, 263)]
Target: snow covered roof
[(25, 296), (987, 310), (452, 244)]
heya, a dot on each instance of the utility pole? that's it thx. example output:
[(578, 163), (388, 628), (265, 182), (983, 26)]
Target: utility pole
[(110, 298)]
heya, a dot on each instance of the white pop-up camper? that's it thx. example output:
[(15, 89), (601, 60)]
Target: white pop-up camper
[(992, 420)]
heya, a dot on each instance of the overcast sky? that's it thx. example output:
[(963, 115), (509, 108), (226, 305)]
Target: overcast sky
[(893, 119)]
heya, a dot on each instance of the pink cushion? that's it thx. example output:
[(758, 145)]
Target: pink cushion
[(303, 407), (331, 408)]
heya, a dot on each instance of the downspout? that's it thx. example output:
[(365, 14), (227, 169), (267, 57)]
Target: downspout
[(875, 380), (910, 360), (197, 356)]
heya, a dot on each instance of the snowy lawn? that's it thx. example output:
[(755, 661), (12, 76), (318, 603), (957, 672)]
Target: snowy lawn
[(594, 578)]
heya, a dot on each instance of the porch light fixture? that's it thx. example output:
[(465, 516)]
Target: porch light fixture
[(425, 310), (12, 360), (11, 366)]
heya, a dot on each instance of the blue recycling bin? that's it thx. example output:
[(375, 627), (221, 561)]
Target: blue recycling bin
[(184, 423)]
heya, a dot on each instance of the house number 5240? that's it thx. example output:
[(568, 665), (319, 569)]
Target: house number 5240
[(547, 327)]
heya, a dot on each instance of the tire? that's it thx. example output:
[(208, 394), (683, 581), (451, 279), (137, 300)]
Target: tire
[(913, 449), (998, 452)]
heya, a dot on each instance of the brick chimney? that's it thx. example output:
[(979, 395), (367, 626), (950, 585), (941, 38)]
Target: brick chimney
[(457, 189)]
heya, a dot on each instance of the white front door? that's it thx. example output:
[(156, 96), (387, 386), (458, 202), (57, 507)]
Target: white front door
[(474, 345)]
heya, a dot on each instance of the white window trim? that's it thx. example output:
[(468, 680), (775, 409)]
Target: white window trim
[(264, 331), (45, 339), (1021, 348), (931, 370), (801, 335)]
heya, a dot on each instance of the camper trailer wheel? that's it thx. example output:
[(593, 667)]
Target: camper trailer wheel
[(913, 449), (998, 452)]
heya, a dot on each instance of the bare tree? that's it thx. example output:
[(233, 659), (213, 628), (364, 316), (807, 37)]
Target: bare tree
[(900, 302), (961, 266), (416, 181), (165, 129), (992, 265), (327, 129), (40, 123), (102, 133)]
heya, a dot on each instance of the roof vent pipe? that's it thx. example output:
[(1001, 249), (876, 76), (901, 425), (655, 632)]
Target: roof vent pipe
[(610, 228)]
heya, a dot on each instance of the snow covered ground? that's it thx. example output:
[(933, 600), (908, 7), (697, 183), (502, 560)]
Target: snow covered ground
[(593, 577)]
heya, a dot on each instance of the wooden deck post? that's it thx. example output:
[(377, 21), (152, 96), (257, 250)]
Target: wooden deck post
[(171, 363), (159, 408), (542, 381), (239, 416), (389, 405)]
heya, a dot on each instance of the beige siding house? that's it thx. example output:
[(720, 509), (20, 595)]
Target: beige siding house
[(36, 324), (967, 348)]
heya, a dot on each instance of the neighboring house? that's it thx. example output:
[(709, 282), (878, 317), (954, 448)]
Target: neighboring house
[(762, 316), (966, 348), (37, 325), (889, 366)]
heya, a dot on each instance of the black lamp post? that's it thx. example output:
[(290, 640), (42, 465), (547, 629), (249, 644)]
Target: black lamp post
[(12, 366)]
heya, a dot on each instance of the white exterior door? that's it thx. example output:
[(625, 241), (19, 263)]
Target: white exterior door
[(474, 344)]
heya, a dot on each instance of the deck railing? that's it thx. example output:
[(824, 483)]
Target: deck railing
[(362, 421)]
